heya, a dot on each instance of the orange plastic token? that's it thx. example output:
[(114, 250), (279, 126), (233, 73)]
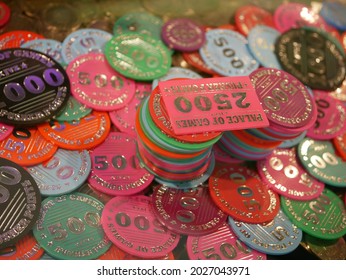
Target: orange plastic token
[(86, 133), (340, 145), (16, 38)]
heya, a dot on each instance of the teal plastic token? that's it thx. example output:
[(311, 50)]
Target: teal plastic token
[(321, 160), (323, 217), (69, 227), (138, 56), (73, 111)]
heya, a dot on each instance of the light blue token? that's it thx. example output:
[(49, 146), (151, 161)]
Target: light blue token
[(262, 40), (83, 41), (47, 46), (226, 52), (334, 14), (293, 142), (177, 72), (65, 172), (278, 237)]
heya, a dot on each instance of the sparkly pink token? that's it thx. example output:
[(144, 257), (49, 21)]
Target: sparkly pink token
[(124, 118), (190, 211), (222, 244), (285, 175), (331, 116), (97, 85), (115, 167), (5, 131), (131, 225)]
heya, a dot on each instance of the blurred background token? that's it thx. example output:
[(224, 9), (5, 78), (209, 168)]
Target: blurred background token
[(63, 173), (130, 224), (5, 130), (5, 13), (69, 227), (73, 111), (97, 85), (16, 38), (26, 146), (222, 244), (20, 202), (333, 12), (277, 237), (334, 249), (323, 217)]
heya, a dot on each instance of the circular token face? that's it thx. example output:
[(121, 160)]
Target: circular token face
[(85, 133), (310, 56), (35, 87), (26, 146), (240, 192), (115, 167), (182, 34), (277, 237), (321, 161), (138, 56), (226, 52), (327, 249), (333, 12), (130, 224), (5, 13), (285, 100), (195, 60), (83, 41), (331, 117), (190, 212), (16, 38), (65, 172), (285, 175), (69, 227), (97, 85), (5, 131), (20, 202), (323, 217), (73, 111), (222, 244)]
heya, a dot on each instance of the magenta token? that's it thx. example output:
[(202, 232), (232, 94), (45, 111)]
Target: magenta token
[(5, 131), (222, 244), (115, 167), (331, 116), (190, 211), (97, 85), (284, 174), (131, 225)]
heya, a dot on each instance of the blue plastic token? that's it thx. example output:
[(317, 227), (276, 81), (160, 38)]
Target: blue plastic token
[(177, 72), (334, 14), (293, 142)]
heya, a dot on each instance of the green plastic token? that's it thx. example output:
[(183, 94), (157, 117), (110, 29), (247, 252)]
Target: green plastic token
[(138, 56), (321, 161), (323, 217), (69, 227), (73, 111)]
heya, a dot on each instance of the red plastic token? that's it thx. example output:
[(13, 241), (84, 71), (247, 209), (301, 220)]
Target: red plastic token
[(240, 192), (14, 39), (5, 13), (130, 224), (339, 143)]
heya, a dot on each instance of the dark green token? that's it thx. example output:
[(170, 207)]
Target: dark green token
[(73, 111), (323, 217)]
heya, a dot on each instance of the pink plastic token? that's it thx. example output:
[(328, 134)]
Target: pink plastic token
[(115, 167), (222, 244), (132, 226), (97, 85), (5, 131), (331, 117), (285, 175)]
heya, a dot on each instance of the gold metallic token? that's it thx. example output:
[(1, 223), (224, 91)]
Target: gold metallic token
[(326, 249)]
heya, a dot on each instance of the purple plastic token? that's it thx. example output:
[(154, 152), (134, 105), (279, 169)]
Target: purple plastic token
[(115, 167), (285, 175), (5, 131)]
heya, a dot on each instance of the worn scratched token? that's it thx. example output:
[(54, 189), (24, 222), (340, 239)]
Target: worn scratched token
[(334, 249), (69, 227), (240, 192), (20, 202), (222, 244), (277, 237), (97, 85), (73, 111), (5, 131), (15, 38), (323, 217), (285, 175), (130, 224), (5, 13), (320, 159), (35, 87)]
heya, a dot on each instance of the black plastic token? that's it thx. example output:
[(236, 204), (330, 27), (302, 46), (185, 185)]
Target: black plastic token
[(33, 86), (20, 202)]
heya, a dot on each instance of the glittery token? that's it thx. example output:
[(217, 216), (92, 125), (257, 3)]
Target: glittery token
[(226, 52), (15, 38), (5, 131), (320, 159), (334, 249), (73, 111), (285, 175), (20, 202), (69, 227), (240, 192), (333, 12), (97, 85), (5, 13), (277, 237), (138, 56), (40, 89), (222, 244), (130, 224), (323, 217)]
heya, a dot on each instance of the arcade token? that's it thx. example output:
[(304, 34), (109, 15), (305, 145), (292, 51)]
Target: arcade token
[(194, 59), (327, 249), (15, 38), (5, 131), (333, 12), (5, 13), (222, 156), (73, 111), (290, 143)]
